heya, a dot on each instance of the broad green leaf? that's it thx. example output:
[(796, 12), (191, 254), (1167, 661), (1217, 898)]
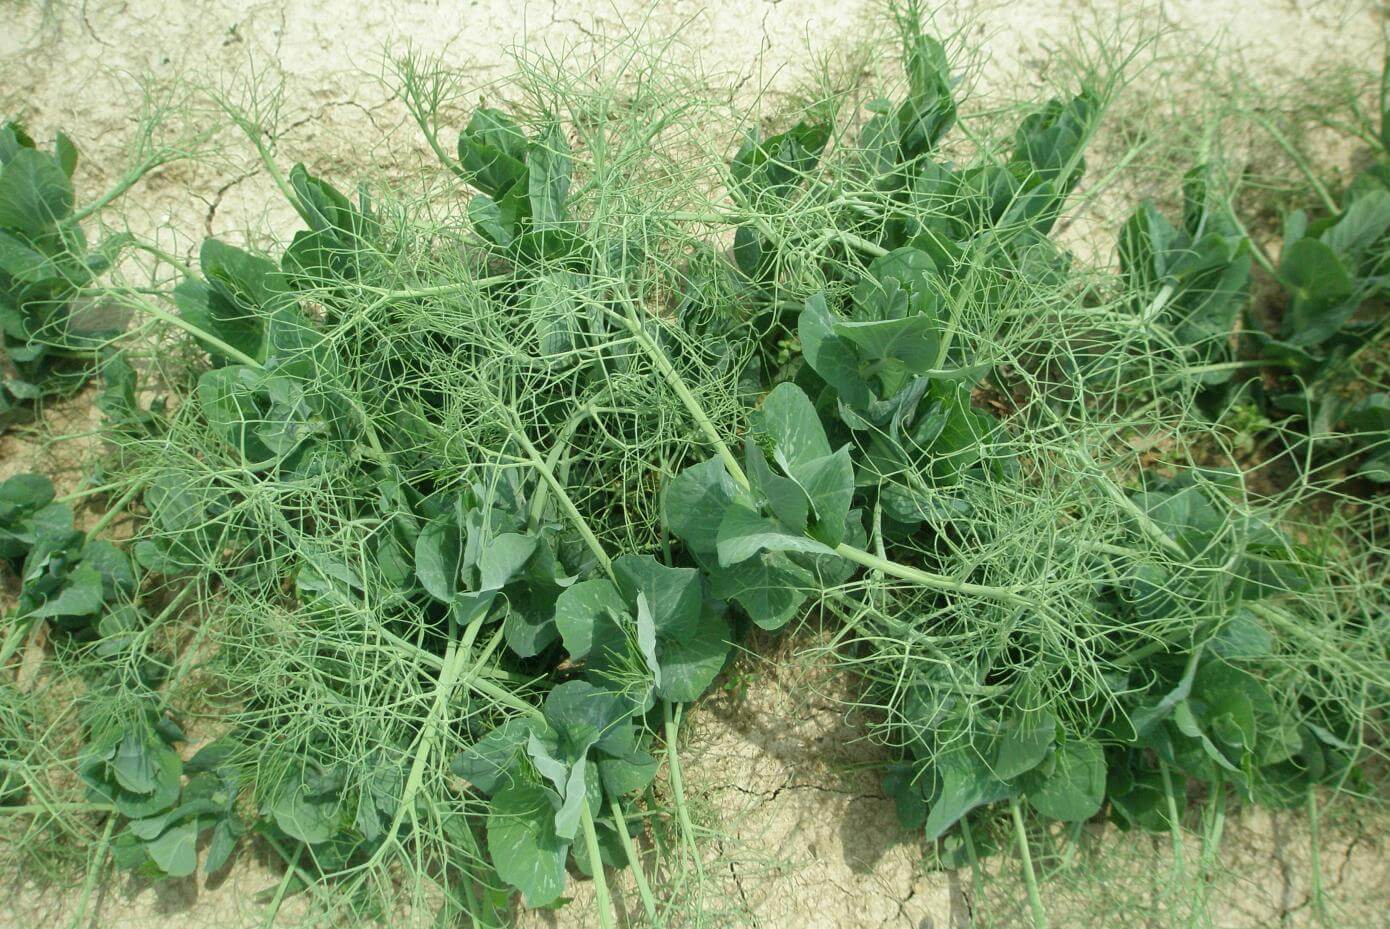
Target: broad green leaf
[(829, 482), (770, 587), (438, 556), (1074, 788), (1242, 638), (332, 215), (628, 774), (143, 764), (1140, 800), (743, 534), (21, 496), (787, 499), (964, 783), (898, 286), (469, 605), (1185, 721), (1145, 240), (673, 594), (502, 557), (901, 784), (176, 850), (490, 763), (929, 110), (490, 219), (548, 176), (65, 151), (523, 845), (1370, 414), (567, 777), (774, 166), (586, 715), (572, 809), (1365, 222), (240, 294), (829, 355), (35, 192), (1050, 139), (231, 399), (544, 749), (527, 633), (1149, 714), (305, 817), (492, 149), (221, 845), (646, 638), (694, 504), (1320, 290), (580, 607), (1232, 705), (691, 661), (81, 595), (1024, 744), (789, 419), (22, 493), (911, 340)]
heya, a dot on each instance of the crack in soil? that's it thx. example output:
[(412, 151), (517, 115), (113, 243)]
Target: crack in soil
[(221, 192)]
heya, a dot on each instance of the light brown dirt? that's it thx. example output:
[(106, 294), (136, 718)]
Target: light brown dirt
[(799, 832)]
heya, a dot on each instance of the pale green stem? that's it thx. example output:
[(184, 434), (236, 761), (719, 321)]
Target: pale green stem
[(116, 191), (678, 791), (1030, 879), (604, 900), (1174, 823), (94, 872), (634, 861)]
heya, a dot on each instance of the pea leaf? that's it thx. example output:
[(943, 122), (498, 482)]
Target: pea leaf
[(548, 176), (495, 221), (1364, 223), (775, 165), (787, 499), (769, 586), (491, 763), (829, 483), (964, 783), (743, 534), (831, 357), (492, 149), (81, 595), (691, 660), (1320, 290), (176, 849), (1074, 788), (627, 775), (789, 420), (672, 594), (305, 815), (586, 715), (35, 192), (694, 504), (1024, 744), (523, 844), (580, 607), (502, 557), (439, 555), (222, 843)]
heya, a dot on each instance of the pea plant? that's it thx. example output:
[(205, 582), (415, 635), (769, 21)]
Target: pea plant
[(53, 321), (465, 496)]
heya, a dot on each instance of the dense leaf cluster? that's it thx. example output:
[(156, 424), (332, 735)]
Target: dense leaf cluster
[(45, 262)]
